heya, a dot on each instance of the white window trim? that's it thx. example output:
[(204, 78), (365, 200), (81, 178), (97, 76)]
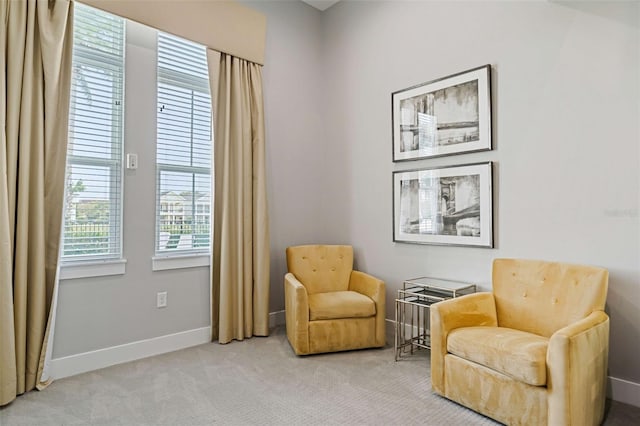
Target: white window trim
[(176, 261), (87, 269), (93, 265), (199, 84)]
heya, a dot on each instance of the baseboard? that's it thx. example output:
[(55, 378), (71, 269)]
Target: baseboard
[(390, 331), (624, 391), (101, 358), (276, 318), (409, 330), (618, 389)]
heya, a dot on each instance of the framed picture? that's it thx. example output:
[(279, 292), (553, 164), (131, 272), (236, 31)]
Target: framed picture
[(447, 205), (451, 115)]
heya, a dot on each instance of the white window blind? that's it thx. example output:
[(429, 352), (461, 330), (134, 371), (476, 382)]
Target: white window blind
[(92, 216), (183, 200)]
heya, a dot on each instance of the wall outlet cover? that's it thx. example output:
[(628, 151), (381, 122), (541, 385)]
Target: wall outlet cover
[(161, 299)]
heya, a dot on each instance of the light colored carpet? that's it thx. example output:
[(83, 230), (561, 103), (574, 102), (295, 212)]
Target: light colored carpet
[(256, 382)]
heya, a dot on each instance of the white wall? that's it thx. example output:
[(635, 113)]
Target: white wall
[(297, 148), (98, 313), (566, 135), (101, 313), (565, 88)]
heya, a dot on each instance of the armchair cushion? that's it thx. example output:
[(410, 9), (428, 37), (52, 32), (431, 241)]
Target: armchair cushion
[(340, 304), (517, 354)]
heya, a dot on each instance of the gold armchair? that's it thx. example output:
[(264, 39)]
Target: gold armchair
[(531, 352), (329, 306)]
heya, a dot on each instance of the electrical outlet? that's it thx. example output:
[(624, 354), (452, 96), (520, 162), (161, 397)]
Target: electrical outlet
[(161, 299)]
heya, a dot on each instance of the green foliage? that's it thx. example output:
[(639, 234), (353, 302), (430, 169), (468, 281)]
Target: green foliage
[(93, 211), (97, 29), (73, 188), (86, 238), (94, 32)]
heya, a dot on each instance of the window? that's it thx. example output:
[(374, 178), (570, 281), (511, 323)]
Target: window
[(92, 215), (183, 152)]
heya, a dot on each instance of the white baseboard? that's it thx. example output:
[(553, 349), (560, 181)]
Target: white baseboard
[(101, 358), (409, 330), (276, 318), (618, 389), (624, 391)]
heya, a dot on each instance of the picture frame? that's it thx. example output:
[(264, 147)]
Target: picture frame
[(450, 115), (450, 205)]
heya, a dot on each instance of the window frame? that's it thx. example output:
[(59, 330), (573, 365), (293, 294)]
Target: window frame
[(197, 86), (112, 262)]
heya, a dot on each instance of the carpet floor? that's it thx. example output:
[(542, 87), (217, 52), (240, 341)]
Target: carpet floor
[(256, 382)]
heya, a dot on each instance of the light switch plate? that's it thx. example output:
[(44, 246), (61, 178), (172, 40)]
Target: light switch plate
[(161, 299), (132, 161)]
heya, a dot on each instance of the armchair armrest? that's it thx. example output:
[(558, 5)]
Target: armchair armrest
[(471, 310), (297, 314), (374, 289), (577, 359), (368, 285)]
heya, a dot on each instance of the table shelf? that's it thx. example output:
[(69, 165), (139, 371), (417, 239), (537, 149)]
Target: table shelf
[(412, 310)]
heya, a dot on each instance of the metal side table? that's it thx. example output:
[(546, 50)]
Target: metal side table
[(412, 310)]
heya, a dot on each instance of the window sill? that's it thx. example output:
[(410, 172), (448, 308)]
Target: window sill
[(163, 263), (70, 271)]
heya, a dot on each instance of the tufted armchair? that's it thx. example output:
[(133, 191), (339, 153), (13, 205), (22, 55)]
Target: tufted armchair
[(329, 306), (532, 352)]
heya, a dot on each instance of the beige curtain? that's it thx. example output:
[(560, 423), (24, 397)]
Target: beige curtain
[(240, 270), (36, 42)]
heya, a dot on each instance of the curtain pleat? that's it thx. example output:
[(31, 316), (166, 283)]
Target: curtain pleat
[(35, 37), (240, 270)]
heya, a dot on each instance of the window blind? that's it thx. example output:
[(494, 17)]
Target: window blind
[(183, 150), (93, 193)]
